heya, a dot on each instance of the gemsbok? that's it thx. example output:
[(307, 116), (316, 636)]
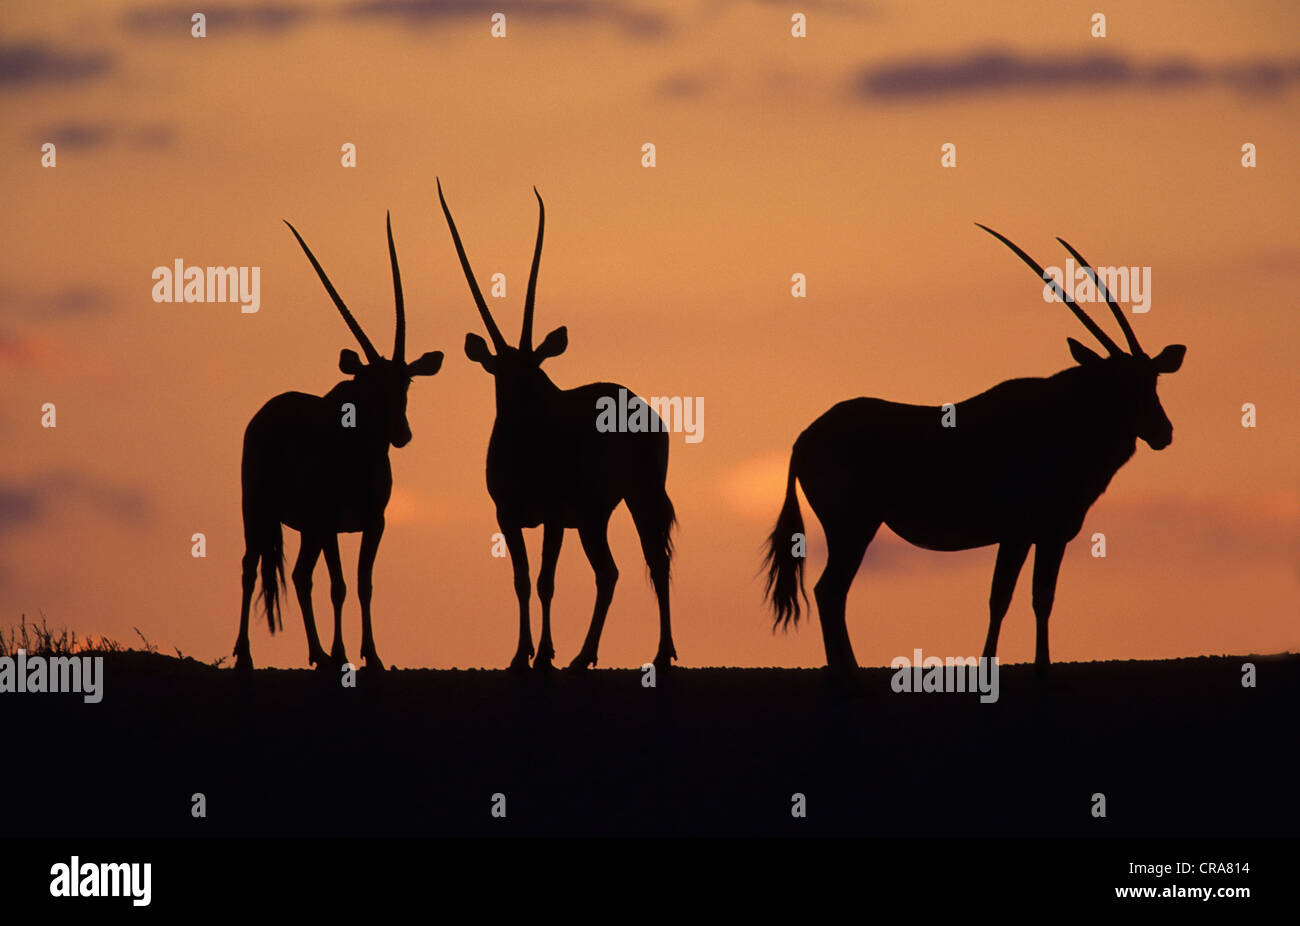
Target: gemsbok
[(548, 465), (1020, 467), (320, 465)]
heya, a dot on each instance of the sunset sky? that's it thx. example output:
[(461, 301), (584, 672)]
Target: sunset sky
[(775, 156)]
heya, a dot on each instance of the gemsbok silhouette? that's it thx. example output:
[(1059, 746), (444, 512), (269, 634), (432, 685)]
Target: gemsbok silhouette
[(320, 465), (547, 464), (1022, 466)]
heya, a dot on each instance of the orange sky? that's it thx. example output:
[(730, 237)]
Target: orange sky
[(775, 155)]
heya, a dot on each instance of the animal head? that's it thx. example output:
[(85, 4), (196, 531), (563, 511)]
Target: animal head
[(380, 382), (1130, 377), (517, 370)]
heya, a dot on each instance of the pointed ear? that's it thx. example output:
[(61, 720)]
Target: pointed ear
[(350, 363), (1169, 359), (1082, 354), (426, 364), (555, 344), (476, 349)]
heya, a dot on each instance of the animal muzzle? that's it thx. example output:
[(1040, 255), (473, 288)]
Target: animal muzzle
[(1161, 440)]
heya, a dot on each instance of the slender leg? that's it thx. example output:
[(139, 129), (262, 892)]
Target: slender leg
[(845, 547), (653, 523), (1047, 566), (370, 538), (243, 655), (552, 538), (1011, 556), (523, 590), (338, 591), (595, 543), (308, 551)]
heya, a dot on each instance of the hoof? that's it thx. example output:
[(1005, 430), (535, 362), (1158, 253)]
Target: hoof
[(243, 662), (338, 656), (520, 662), (319, 660), (373, 663), (665, 660), (543, 662), (582, 662)]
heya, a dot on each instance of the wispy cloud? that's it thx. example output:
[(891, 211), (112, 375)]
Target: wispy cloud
[(72, 301), (25, 503), (855, 8), (19, 506), (997, 71), (1262, 529), (630, 19), (75, 135), (687, 84), (265, 17), (275, 18), (90, 135), (25, 64)]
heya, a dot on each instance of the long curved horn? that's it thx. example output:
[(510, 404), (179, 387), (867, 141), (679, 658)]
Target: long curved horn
[(1088, 323), (1134, 347), (399, 338), (526, 339), (495, 332), (371, 354)]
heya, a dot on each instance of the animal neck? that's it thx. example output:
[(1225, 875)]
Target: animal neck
[(529, 402), (1096, 419)]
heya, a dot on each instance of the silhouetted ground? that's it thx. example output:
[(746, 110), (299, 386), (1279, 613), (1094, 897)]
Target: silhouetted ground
[(1177, 747)]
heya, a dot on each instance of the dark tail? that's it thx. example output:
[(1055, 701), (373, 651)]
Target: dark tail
[(271, 550), (655, 518), (784, 568), (670, 522)]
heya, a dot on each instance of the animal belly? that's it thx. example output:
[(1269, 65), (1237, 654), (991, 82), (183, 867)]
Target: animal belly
[(346, 520), (947, 514), (313, 498), (545, 494), (941, 536), (534, 513)]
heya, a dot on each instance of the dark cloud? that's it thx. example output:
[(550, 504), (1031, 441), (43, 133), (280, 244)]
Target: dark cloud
[(25, 64), (89, 135), (1009, 72), (1278, 261), (1251, 530), (74, 301), (426, 12), (23, 504), (279, 17), (266, 17), (686, 85), (853, 8), (75, 135), (18, 506)]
